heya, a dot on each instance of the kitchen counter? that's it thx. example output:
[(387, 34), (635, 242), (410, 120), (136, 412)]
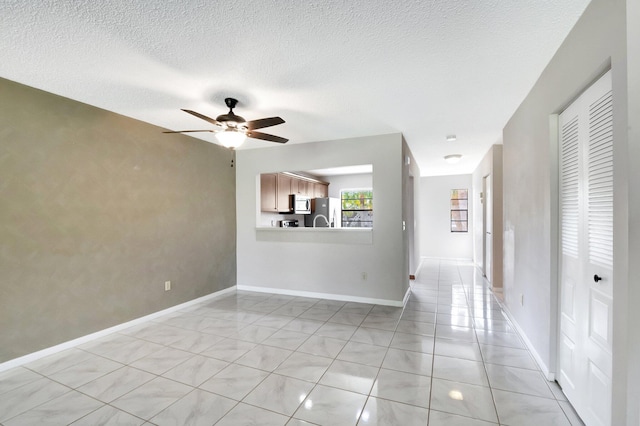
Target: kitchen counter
[(316, 235)]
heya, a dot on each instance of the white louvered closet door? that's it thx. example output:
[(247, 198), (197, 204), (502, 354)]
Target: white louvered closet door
[(586, 252)]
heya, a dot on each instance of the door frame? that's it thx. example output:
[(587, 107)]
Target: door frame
[(556, 243), (554, 255), (484, 223), (410, 225)]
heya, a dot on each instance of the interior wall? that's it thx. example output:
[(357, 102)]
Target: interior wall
[(631, 315), (490, 164), (410, 212), (97, 212), (329, 262), (436, 238), (530, 196), (498, 220)]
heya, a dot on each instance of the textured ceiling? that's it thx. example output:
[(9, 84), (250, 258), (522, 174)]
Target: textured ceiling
[(331, 68)]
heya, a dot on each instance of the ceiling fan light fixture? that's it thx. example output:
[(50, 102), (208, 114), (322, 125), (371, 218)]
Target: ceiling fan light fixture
[(231, 138), (453, 158), (231, 129)]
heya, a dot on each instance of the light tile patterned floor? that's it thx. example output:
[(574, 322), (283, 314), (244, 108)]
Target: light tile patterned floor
[(450, 357)]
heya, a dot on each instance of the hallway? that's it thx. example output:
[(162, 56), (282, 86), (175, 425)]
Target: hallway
[(450, 357)]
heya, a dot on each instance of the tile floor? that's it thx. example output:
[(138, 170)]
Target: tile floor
[(450, 357)]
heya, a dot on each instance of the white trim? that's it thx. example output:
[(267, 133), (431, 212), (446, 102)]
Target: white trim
[(16, 362), (555, 257), (450, 259), (419, 268), (315, 295), (406, 296), (545, 369)]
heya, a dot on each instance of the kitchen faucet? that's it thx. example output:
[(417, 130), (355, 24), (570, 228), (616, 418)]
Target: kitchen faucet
[(322, 216)]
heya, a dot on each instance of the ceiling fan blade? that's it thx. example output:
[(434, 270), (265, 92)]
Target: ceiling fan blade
[(204, 117), (264, 122), (266, 137), (188, 131)]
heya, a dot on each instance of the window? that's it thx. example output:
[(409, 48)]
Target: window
[(357, 208), (459, 210)]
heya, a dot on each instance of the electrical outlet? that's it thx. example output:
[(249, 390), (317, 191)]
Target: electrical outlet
[(364, 276), (167, 285)]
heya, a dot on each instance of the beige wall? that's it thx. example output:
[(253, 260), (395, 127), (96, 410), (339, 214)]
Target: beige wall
[(96, 212), (491, 164)]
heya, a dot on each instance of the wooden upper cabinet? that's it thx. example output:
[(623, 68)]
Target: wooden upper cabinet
[(268, 192), (320, 190), (303, 187), (285, 183), (275, 189)]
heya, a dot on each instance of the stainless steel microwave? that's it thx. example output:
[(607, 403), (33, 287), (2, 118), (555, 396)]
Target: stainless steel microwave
[(299, 204)]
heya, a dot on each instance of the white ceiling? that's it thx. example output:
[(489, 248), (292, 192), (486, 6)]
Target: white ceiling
[(346, 170), (331, 68)]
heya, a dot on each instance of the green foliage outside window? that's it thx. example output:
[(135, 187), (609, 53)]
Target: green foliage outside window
[(357, 208)]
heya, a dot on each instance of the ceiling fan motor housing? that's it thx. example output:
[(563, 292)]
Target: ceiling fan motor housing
[(230, 120)]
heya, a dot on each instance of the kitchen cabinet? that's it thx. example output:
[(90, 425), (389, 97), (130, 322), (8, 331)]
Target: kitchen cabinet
[(302, 187), (268, 192), (275, 189), (320, 190), (285, 184)]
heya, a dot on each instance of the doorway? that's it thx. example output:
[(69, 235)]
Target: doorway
[(487, 226), (410, 225)]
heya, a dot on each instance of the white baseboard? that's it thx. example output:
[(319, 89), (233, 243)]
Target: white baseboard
[(16, 362), (450, 259), (536, 356), (315, 295), (545, 369), (419, 267), (406, 296)]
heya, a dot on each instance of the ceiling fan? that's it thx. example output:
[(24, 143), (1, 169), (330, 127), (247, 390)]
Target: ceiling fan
[(231, 129)]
